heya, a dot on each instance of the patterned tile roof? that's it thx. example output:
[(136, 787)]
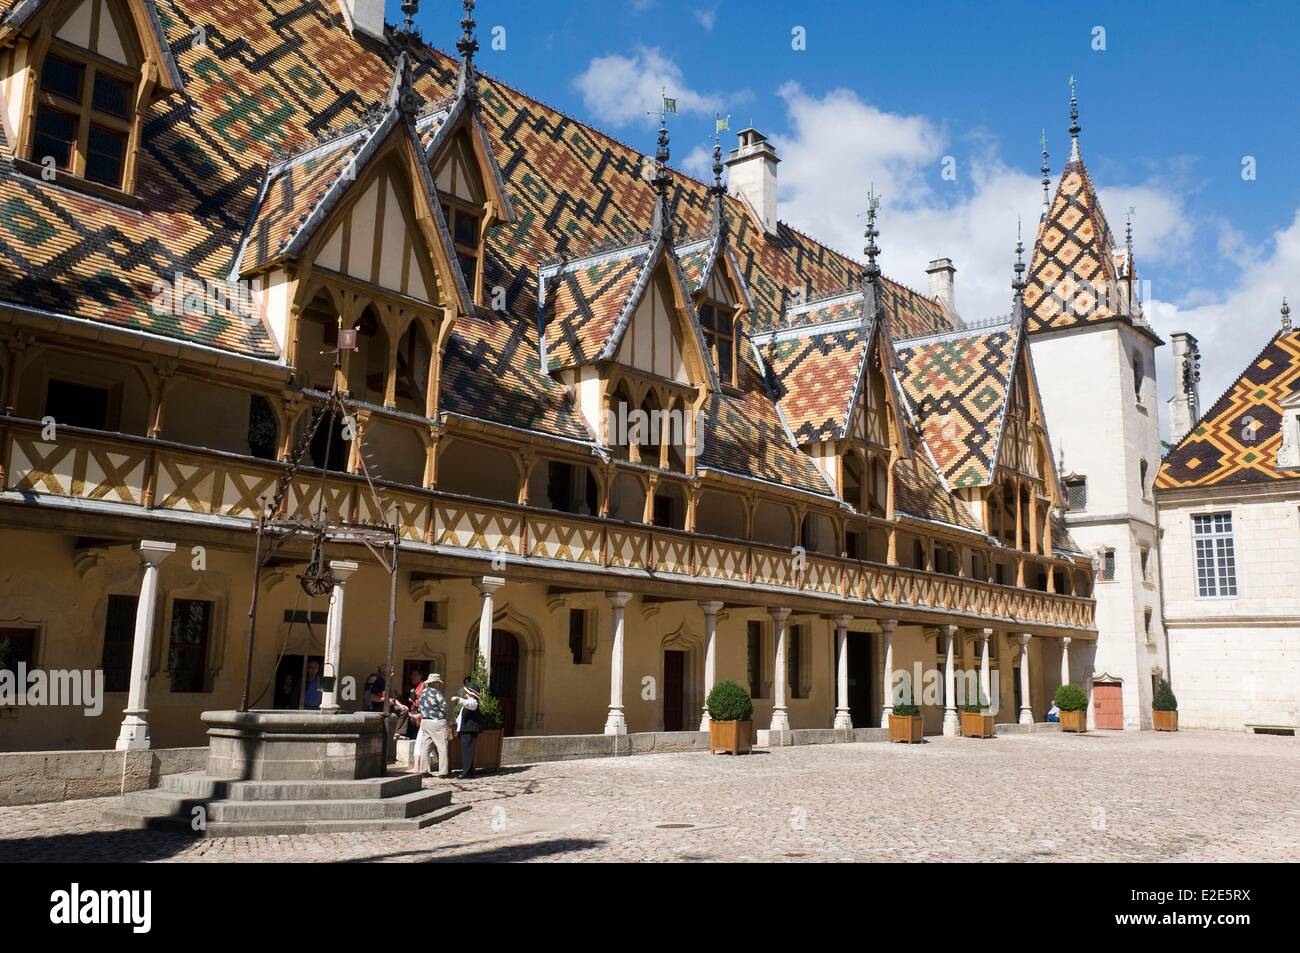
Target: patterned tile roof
[(920, 492), (1072, 275), (956, 386), (584, 301), (1236, 441)]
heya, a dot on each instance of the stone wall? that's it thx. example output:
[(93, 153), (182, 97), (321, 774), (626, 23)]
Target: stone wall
[(34, 777)]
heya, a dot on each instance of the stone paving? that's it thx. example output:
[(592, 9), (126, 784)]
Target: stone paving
[(1103, 796)]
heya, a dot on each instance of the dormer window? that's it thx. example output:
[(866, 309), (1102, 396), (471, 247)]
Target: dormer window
[(463, 221), (717, 321), (83, 117)]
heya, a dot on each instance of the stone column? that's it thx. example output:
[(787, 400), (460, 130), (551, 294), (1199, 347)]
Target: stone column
[(487, 585), (1065, 660), (985, 685), (135, 724), (951, 723), (780, 716), (616, 724), (341, 570), (887, 627), (711, 610), (1026, 710), (843, 719)]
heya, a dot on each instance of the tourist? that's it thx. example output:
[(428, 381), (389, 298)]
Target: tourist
[(287, 696), (433, 728), (1053, 713), (468, 724), (375, 687), (408, 720), (312, 690)]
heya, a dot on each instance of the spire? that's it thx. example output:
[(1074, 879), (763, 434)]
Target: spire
[(663, 220), (401, 91), (1286, 316), (1018, 282), (717, 191), (467, 46), (410, 8), (1074, 123), (871, 273), (1045, 169)]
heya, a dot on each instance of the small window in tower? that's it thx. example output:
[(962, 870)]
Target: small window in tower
[(1139, 371), (1142, 478), (1106, 566), (1076, 492)]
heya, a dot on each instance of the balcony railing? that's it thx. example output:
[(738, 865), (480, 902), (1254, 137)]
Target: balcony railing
[(152, 474)]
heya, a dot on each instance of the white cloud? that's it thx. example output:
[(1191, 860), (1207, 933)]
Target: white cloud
[(706, 16), (621, 90)]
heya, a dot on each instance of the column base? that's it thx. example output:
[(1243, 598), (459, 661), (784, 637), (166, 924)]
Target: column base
[(780, 720), (134, 735), (615, 724), (843, 721), (884, 716), (951, 723), (1026, 716), (705, 721)]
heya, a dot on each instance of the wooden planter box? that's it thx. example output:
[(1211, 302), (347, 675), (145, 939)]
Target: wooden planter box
[(976, 725), (1165, 720), (487, 756), (1076, 721), (909, 729), (733, 737)]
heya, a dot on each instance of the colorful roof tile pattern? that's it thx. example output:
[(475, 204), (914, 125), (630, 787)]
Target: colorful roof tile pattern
[(956, 386), (1072, 277), (919, 492), (586, 299), (1235, 443)]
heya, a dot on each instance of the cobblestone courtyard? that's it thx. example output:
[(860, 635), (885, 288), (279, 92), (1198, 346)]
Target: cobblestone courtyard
[(1191, 796)]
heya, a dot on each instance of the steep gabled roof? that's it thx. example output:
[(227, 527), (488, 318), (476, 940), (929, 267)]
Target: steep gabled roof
[(956, 386), (1235, 442), (583, 301)]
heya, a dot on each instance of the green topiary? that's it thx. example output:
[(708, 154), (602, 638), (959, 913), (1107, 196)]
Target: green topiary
[(489, 709), (981, 703), (1164, 700), (904, 708), (729, 702), (1071, 698)]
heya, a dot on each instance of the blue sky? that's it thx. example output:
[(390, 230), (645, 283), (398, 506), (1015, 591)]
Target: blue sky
[(1180, 94)]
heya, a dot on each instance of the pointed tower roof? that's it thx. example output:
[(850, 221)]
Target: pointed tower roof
[(1073, 276)]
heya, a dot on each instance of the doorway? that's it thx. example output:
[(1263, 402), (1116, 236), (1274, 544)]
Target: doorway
[(504, 680), (674, 690), (863, 708), (1108, 706)]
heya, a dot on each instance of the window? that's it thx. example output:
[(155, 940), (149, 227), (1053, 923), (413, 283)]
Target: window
[(571, 489), (853, 545), (1106, 566), (754, 658), (1146, 625), (665, 511), (1142, 477), (77, 405), (1076, 492), (305, 617), (1139, 372), (17, 645), (464, 224), (717, 321), (84, 114), (793, 657), (262, 428), (119, 638), (435, 613), (1216, 560), (1145, 555), (188, 653), (578, 637)]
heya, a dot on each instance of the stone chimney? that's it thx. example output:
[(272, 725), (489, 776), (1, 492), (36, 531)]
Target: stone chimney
[(1185, 405), (364, 17), (752, 176), (942, 272)]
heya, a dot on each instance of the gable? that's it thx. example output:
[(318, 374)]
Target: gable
[(97, 26), (871, 422), (655, 340), (457, 173), (1016, 450)]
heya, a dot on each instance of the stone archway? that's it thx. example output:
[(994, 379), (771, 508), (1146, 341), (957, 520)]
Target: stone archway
[(528, 716)]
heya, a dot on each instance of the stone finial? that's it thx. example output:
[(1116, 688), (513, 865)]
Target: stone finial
[(1045, 169), (1074, 123), (1018, 282), (872, 271), (663, 214), (1286, 316), (467, 46), (718, 190), (410, 8)]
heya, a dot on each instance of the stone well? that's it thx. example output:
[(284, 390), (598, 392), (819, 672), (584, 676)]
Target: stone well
[(295, 745)]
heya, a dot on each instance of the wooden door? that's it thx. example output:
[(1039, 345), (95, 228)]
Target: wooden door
[(1108, 706), (674, 690), (505, 677), (864, 712)]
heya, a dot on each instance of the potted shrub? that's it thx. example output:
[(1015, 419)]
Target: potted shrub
[(976, 722), (905, 721), (487, 755), (1073, 703), (1164, 708), (731, 713)]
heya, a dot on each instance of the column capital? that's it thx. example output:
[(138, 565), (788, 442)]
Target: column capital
[(489, 584), (1024, 638), (842, 621), (779, 615), (618, 599), (887, 626), (984, 634), (341, 569), (712, 607), (152, 551), (1065, 640), (948, 630)]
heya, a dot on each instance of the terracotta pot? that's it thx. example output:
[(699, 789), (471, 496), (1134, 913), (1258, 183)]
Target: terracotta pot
[(976, 725), (1076, 721), (1165, 720), (487, 755), (733, 737), (909, 729)]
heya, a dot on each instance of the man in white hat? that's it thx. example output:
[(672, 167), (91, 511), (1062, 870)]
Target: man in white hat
[(433, 727)]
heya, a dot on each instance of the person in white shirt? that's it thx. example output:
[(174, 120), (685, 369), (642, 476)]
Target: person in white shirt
[(468, 725)]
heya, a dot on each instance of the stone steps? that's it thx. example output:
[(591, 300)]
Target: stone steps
[(249, 808)]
